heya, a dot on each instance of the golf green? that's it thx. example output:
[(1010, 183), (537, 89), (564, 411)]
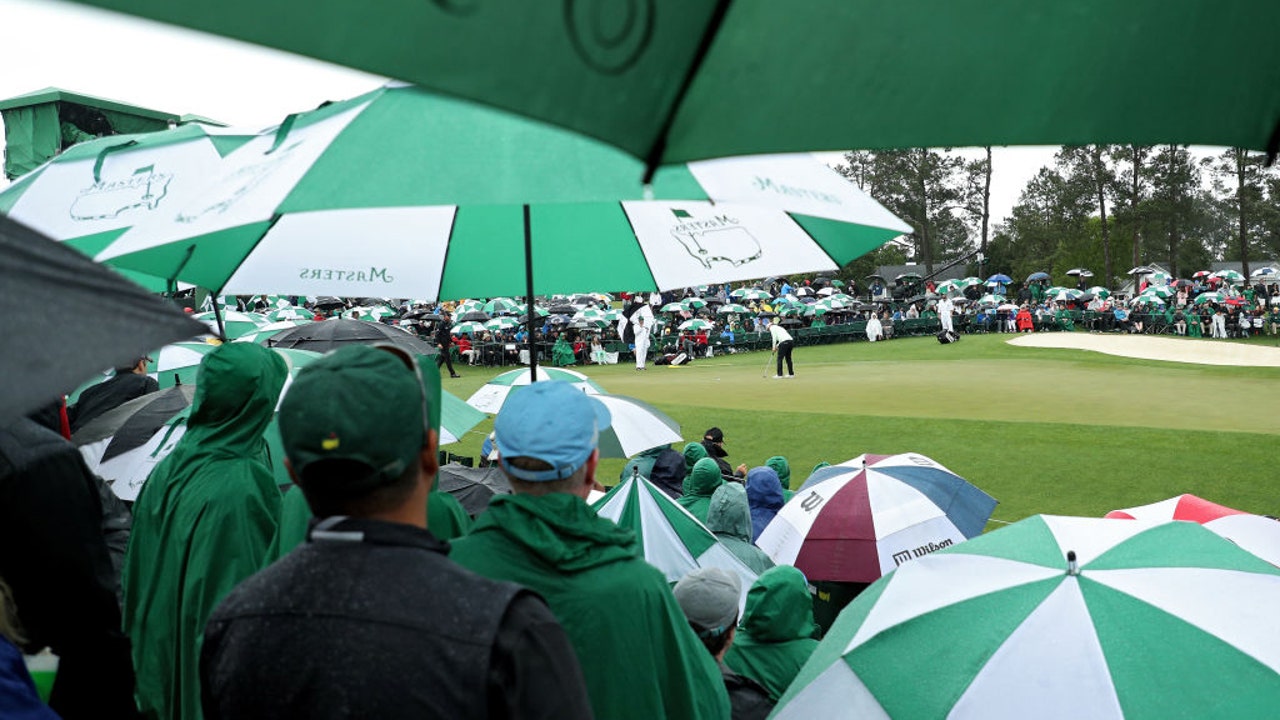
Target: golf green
[(1043, 430)]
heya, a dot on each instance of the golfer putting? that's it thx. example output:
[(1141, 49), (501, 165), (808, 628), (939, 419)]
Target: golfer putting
[(782, 345)]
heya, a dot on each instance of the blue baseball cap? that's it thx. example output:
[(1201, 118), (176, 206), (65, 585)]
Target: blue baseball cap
[(551, 421)]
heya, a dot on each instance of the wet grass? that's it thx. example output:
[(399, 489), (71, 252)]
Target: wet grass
[(1043, 430)]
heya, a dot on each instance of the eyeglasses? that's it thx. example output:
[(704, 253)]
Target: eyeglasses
[(412, 365)]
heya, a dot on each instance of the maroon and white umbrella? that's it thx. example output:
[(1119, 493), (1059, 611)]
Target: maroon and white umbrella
[(857, 521)]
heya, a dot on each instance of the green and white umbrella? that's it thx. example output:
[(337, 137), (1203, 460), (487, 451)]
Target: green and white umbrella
[(673, 540), (522, 311), (234, 323), (697, 324), (500, 306), (467, 306), (1164, 292), (290, 313), (456, 418), (91, 193), (612, 315), (1100, 291), (635, 426), (367, 197), (373, 314), (502, 322), (1057, 617), (673, 307), (733, 309), (490, 397), (693, 303), (750, 294), (947, 287), (590, 315), (270, 330), (469, 327), (991, 299), (1231, 276), (1210, 297)]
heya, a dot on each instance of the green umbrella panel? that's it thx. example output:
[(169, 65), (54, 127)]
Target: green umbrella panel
[(400, 193), (1056, 617), (664, 79), (92, 192)]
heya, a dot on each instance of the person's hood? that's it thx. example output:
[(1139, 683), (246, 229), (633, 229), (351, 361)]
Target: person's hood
[(237, 388), (764, 490), (779, 607), (559, 528), (668, 472), (782, 467), (693, 452), (703, 479), (729, 513)]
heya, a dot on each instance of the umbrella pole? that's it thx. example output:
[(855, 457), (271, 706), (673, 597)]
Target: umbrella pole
[(528, 299), (217, 315)]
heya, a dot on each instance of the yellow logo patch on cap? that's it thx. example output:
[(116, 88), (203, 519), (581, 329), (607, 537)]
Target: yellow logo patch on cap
[(331, 442)]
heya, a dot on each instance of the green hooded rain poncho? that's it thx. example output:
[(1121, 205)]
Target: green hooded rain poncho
[(729, 517), (783, 468), (201, 524), (702, 481), (693, 452), (638, 654), (775, 637), (445, 518)]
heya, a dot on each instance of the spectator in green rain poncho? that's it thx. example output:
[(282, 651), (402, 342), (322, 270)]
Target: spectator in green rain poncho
[(729, 517), (775, 637), (562, 352), (702, 481), (201, 524), (693, 452), (445, 515), (783, 468), (638, 654)]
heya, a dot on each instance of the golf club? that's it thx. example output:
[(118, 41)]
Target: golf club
[(768, 360)]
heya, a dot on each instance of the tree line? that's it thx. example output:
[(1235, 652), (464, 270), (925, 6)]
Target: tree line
[(1108, 208)]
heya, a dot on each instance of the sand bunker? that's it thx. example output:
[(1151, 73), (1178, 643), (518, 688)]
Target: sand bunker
[(1148, 347)]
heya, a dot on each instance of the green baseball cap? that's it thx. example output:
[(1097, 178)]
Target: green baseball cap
[(361, 404)]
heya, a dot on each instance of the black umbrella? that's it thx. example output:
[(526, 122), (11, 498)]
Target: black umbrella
[(39, 280), (473, 316), (472, 487), (328, 335), (1141, 270), (562, 309), (132, 424), (559, 319), (1079, 272), (328, 302)]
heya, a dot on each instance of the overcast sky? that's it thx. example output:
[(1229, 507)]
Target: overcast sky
[(50, 43)]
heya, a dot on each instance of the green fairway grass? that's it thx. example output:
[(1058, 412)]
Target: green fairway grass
[(1043, 430)]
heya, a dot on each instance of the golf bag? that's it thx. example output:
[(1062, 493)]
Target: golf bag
[(947, 336), (680, 359)]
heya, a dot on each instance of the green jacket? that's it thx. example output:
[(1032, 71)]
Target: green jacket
[(729, 517), (445, 518), (638, 654), (775, 637), (201, 524), (693, 452), (702, 481)]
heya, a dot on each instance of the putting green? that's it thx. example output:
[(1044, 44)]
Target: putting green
[(1043, 430)]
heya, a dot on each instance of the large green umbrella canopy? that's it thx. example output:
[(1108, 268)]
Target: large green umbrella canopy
[(1057, 617), (91, 193), (400, 193), (677, 80)]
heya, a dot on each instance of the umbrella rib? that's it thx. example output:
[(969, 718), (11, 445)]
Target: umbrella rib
[(654, 158)]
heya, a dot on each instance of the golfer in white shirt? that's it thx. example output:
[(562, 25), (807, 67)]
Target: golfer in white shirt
[(782, 344)]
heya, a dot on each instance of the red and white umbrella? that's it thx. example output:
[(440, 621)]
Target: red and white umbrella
[(1258, 534), (857, 521)]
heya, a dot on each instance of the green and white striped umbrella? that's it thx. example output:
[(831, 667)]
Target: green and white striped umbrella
[(1210, 297), (522, 311), (1100, 291), (697, 324), (673, 307), (733, 309), (673, 540), (693, 303), (234, 323), (501, 306), (263, 333), (272, 302), (467, 306), (591, 315), (1164, 292), (612, 315), (469, 327), (955, 285), (91, 193), (750, 294), (1230, 276), (1057, 617), (991, 299), (784, 300), (502, 322), (290, 313), (367, 197), (372, 314), (490, 397)]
